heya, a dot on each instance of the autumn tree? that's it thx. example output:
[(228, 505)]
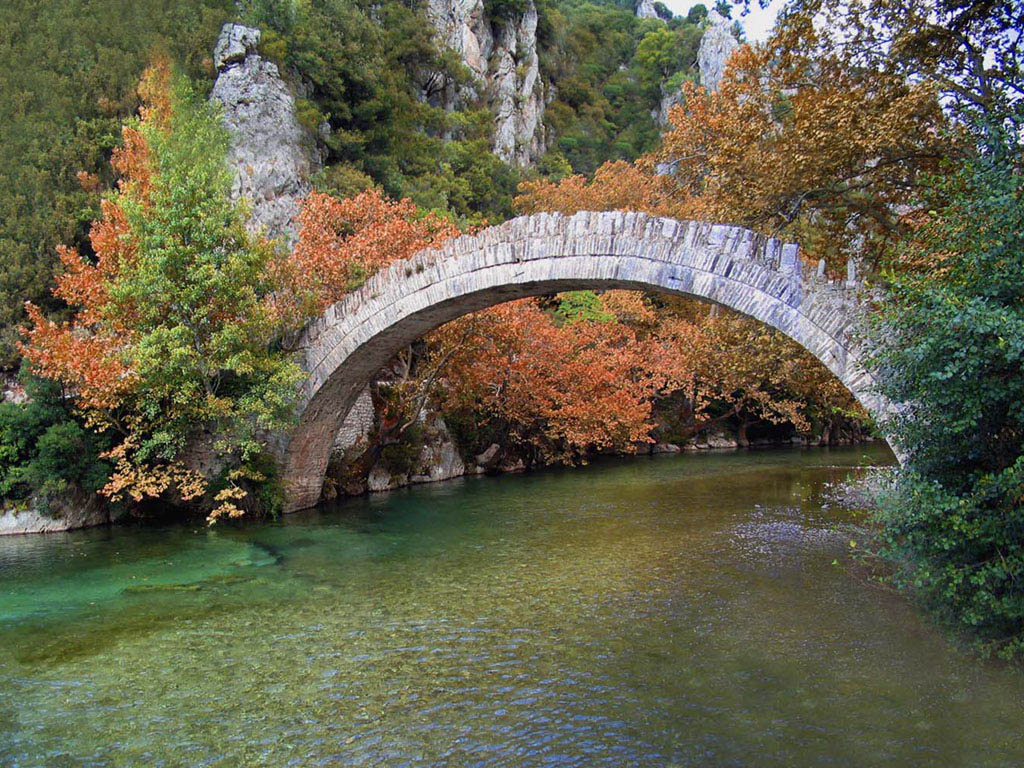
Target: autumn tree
[(170, 342), (343, 242), (802, 140), (555, 388)]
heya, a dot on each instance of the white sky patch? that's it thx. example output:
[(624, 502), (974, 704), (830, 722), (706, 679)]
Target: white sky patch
[(758, 23)]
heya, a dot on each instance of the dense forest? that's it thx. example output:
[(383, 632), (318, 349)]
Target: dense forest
[(69, 80), (151, 325)]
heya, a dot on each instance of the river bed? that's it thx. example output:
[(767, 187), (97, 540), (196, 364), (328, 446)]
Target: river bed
[(656, 611)]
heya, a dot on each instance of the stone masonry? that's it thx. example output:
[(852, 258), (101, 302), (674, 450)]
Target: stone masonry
[(547, 253)]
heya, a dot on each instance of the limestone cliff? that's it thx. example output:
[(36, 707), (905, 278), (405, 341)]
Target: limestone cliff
[(645, 10), (716, 46), (270, 153), (502, 56)]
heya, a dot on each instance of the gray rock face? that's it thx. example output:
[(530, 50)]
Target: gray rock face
[(439, 458), (645, 10), (379, 480), (270, 151), (234, 44), (11, 390), (502, 55), (668, 100), (64, 514), (716, 46)]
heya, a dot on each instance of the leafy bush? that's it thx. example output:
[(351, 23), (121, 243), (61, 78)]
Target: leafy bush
[(45, 448), (951, 350)]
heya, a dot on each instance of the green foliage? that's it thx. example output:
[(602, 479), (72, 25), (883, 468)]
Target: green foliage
[(44, 447), (342, 181), (608, 69), (368, 65), (951, 351), (575, 306), (505, 10), (68, 71), (201, 328), (401, 456)]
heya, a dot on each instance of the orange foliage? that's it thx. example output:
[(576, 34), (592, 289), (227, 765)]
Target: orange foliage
[(564, 389), (81, 353), (799, 141), (342, 242), (86, 353), (617, 186)]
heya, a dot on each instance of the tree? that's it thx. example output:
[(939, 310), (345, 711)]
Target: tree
[(556, 391), (742, 372), (67, 80), (45, 450), (341, 243), (171, 338), (800, 142), (951, 347)]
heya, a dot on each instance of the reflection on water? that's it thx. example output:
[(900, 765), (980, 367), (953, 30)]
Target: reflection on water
[(652, 612)]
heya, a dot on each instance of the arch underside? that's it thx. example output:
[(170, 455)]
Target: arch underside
[(346, 347)]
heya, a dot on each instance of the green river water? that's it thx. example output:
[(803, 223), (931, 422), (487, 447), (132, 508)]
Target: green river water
[(668, 611)]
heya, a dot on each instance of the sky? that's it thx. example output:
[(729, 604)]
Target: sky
[(757, 23)]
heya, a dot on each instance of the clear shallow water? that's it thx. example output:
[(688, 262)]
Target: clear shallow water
[(672, 611)]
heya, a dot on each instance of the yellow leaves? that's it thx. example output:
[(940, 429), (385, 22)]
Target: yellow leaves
[(139, 480)]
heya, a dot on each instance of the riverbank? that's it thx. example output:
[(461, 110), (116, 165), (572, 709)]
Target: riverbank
[(438, 461)]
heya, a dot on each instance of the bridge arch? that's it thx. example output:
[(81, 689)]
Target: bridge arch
[(548, 253)]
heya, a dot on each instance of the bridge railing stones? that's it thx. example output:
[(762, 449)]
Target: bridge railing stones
[(549, 235)]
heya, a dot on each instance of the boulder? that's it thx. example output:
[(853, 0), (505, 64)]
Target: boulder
[(720, 441), (439, 458), (379, 479)]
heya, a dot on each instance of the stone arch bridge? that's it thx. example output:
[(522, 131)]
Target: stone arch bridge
[(548, 253)]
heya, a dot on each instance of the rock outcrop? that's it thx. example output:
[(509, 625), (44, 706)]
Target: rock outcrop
[(645, 10), (66, 512), (669, 99), (11, 390), (271, 153), (502, 56), (716, 46), (438, 459)]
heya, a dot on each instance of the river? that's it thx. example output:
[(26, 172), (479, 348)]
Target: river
[(656, 611)]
